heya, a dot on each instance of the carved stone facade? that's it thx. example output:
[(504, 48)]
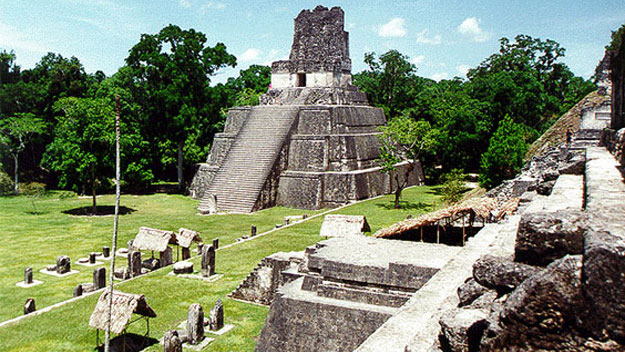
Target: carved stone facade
[(313, 141)]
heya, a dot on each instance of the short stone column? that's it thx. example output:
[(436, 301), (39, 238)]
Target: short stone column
[(195, 323), (28, 275), (216, 317), (253, 231), (186, 253), (172, 342), (92, 258), (78, 290), (167, 257), (29, 306), (208, 261), (99, 278), (134, 263), (216, 243), (199, 248), (106, 251)]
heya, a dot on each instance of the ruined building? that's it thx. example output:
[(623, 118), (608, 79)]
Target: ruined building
[(312, 141), (547, 278)]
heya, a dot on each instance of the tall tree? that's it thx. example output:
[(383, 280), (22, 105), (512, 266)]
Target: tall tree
[(504, 156), (403, 140), (389, 81), (15, 133), (81, 151), (175, 66)]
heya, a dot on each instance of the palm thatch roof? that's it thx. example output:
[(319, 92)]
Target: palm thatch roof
[(344, 225), (508, 208), (124, 305), (153, 239), (482, 207), (185, 237)]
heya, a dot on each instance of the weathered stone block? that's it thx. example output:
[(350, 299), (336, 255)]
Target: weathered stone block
[(28, 275), (546, 236), (603, 284), (216, 317), (462, 329), (99, 278), (195, 324), (501, 274), (172, 342), (544, 310), (469, 291), (63, 264), (29, 306)]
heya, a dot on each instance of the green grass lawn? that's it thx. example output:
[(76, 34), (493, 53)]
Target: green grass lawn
[(36, 239)]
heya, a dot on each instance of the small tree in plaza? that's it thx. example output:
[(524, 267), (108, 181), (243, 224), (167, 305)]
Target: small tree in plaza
[(403, 140), (15, 133)]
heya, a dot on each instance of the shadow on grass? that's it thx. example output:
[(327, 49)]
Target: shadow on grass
[(37, 212), (132, 342), (405, 205), (101, 210)]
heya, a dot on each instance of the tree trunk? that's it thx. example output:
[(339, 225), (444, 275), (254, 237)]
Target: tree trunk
[(15, 186), (180, 160), (397, 191), (94, 208)]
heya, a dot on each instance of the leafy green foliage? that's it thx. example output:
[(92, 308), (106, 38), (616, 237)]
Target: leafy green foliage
[(6, 184), (389, 82), (403, 140), (15, 133), (82, 149), (173, 68), (504, 156), (453, 186)]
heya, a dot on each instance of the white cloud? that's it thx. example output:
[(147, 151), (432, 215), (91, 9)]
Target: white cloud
[(184, 3), (470, 27), (463, 69), (439, 76), (393, 28), (422, 37), (417, 60), (212, 5), (11, 38), (250, 54)]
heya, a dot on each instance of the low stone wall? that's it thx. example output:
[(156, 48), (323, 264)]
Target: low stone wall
[(315, 190), (614, 141), (300, 321), (562, 290), (261, 284)]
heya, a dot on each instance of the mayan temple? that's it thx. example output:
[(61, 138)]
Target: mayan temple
[(312, 141)]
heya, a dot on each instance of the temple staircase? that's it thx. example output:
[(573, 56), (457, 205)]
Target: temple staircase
[(241, 177)]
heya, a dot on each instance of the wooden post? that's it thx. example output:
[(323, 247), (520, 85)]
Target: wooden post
[(107, 337), (421, 233), (463, 231), (438, 231)]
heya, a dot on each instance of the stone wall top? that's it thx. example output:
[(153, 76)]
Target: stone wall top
[(320, 40)]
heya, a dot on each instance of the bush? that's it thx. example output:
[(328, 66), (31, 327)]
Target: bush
[(6, 184), (504, 156), (453, 186)]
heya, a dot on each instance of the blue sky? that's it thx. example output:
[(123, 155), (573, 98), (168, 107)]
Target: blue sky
[(443, 38)]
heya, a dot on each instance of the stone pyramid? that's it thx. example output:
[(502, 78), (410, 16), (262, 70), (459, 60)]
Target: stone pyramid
[(312, 141)]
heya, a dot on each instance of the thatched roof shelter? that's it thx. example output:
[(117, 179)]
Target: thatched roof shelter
[(481, 207), (344, 225), (185, 237), (153, 239), (124, 305), (508, 208)]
